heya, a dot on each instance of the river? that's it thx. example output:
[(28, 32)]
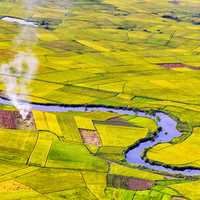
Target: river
[(135, 154)]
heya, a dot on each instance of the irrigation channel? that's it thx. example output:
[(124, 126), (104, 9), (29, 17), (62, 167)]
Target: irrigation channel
[(135, 154)]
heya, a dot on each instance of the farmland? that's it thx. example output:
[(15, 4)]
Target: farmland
[(31, 159), (188, 150), (53, 154), (136, 54)]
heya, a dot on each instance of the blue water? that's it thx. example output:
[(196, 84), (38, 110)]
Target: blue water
[(134, 155)]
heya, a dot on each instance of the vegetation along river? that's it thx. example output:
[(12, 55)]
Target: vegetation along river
[(136, 154)]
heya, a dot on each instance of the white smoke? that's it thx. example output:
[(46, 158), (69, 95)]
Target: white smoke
[(27, 37), (30, 4), (17, 74)]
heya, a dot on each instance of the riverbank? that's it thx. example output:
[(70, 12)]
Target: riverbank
[(168, 131)]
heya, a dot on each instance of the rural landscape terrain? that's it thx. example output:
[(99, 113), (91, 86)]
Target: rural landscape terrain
[(99, 100)]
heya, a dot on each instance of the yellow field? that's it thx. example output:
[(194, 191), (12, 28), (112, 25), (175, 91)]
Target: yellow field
[(190, 190), (93, 45), (144, 122), (126, 171), (53, 125), (84, 123), (39, 155), (120, 135), (102, 52), (40, 120), (185, 153), (11, 186), (97, 185), (47, 121)]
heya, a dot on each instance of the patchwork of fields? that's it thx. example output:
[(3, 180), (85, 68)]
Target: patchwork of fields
[(53, 161), (141, 54)]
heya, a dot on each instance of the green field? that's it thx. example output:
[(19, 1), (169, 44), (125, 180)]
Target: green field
[(105, 52)]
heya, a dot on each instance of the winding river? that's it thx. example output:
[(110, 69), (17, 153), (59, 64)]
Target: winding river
[(135, 154)]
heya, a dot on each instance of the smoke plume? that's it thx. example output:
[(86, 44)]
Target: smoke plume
[(17, 74)]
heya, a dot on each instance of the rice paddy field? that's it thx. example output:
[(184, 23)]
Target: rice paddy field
[(142, 54)]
